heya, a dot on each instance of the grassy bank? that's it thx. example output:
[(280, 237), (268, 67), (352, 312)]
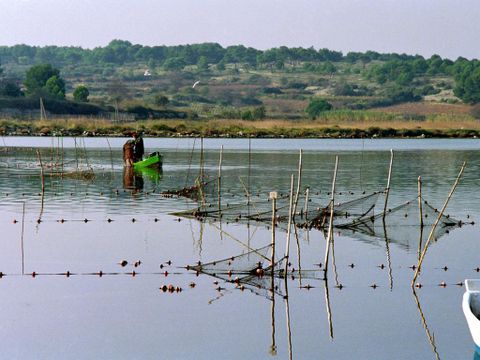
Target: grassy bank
[(340, 124)]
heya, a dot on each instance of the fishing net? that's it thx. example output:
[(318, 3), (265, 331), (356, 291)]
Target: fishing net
[(401, 225), (265, 286), (241, 211), (250, 271), (345, 212), (245, 263), (197, 192)]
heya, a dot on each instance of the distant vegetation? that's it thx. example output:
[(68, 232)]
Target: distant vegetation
[(208, 81)]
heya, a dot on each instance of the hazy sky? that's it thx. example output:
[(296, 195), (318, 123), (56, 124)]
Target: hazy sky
[(450, 28)]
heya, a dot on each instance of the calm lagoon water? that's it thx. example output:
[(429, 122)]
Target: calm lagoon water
[(120, 316)]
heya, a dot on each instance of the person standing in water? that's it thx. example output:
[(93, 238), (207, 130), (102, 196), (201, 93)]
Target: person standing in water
[(138, 148), (128, 153)]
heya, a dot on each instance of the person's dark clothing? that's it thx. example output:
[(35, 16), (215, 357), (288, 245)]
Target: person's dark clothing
[(138, 149)]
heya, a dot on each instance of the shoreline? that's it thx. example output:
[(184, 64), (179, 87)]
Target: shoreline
[(239, 129)]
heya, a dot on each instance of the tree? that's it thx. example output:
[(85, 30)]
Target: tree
[(246, 115), (468, 84), (161, 100), (174, 64), (327, 68), (400, 94), (55, 86), (279, 64), (37, 76), (202, 64), (317, 106), (259, 113), (81, 93), (10, 88)]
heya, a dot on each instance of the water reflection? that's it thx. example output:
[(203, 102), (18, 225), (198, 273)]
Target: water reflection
[(431, 338), (85, 247), (328, 308), (132, 180)]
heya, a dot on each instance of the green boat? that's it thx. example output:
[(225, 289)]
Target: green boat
[(154, 160)]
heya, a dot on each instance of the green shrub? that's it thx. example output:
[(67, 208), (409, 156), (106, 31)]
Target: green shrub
[(317, 106)]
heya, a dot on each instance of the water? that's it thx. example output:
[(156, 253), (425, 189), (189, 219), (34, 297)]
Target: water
[(120, 316)]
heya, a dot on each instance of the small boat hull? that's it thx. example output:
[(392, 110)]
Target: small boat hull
[(154, 160), (471, 309)]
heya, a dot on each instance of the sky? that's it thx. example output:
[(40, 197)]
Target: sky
[(450, 28)]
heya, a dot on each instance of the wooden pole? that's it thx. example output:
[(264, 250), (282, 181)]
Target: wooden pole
[(111, 153), (76, 151), (201, 161), (295, 232), (63, 159), (220, 181), (289, 226), (201, 175), (387, 189), (420, 212), (39, 156), (190, 163), (299, 183), (420, 208), (330, 225), (430, 236), (249, 171), (273, 197), (305, 207)]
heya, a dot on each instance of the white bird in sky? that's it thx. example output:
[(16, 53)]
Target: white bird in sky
[(195, 84)]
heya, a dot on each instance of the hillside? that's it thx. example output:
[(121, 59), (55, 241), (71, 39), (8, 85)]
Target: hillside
[(244, 83)]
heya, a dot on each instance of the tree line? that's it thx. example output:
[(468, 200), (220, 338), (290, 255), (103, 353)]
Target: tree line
[(392, 69), (119, 52)]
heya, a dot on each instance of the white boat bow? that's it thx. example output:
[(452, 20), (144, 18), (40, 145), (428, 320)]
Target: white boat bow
[(471, 308)]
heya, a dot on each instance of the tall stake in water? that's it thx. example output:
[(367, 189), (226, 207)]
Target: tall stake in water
[(420, 212), (330, 225), (273, 197), (440, 214), (201, 161), (299, 183), (201, 175), (39, 156), (387, 189), (420, 209), (249, 172), (111, 154), (220, 182), (289, 226), (305, 207)]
